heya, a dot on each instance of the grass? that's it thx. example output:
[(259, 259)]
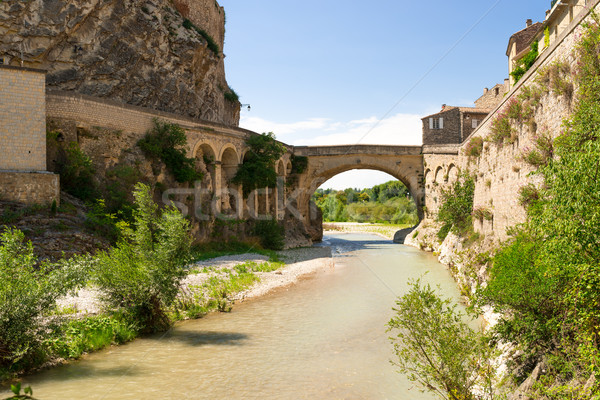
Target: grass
[(216, 293)]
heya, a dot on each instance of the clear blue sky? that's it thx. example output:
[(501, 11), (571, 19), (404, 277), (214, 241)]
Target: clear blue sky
[(342, 72)]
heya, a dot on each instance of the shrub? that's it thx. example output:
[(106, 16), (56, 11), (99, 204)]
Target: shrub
[(522, 66), (501, 129), (299, 164), (542, 152), (212, 45), (270, 233), (28, 292), (231, 96), (142, 273), (77, 173), (482, 213), (166, 142), (457, 205), (474, 147), (436, 349), (258, 170)]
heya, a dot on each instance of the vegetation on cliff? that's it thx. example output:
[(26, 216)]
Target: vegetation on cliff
[(545, 281), (386, 203)]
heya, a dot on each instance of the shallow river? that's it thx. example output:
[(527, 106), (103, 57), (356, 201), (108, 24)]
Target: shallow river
[(324, 338)]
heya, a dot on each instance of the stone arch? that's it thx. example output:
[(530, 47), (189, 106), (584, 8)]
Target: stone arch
[(439, 175), (427, 177), (288, 168), (452, 173), (205, 156), (229, 159), (280, 168)]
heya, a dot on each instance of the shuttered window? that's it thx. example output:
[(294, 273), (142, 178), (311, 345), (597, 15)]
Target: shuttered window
[(436, 123)]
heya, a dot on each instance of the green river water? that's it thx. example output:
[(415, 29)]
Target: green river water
[(323, 338)]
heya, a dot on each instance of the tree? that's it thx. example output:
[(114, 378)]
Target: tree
[(258, 170), (437, 349), (143, 272)]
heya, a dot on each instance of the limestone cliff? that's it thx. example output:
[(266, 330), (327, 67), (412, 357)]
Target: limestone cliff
[(161, 54)]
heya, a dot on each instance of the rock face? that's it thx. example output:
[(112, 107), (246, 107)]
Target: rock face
[(141, 52)]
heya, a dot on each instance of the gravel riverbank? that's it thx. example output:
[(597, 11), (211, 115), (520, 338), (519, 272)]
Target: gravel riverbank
[(298, 263)]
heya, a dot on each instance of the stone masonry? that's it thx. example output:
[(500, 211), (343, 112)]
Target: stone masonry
[(500, 171), (23, 175)]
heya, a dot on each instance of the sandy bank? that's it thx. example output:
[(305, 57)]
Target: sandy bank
[(299, 262)]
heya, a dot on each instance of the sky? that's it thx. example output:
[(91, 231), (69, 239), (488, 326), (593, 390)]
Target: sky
[(345, 72)]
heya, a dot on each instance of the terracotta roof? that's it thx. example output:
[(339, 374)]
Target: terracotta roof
[(524, 37)]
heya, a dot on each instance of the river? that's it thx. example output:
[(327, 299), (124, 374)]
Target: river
[(323, 338)]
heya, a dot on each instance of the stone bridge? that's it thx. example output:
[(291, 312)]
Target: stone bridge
[(219, 151), (404, 163)]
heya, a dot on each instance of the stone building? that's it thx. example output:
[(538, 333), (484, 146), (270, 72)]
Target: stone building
[(492, 97), (558, 18), (452, 124), (23, 174)]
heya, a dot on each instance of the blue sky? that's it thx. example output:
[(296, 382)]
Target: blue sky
[(342, 72)]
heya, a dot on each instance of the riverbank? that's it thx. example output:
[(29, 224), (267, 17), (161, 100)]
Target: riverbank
[(386, 231), (294, 264)]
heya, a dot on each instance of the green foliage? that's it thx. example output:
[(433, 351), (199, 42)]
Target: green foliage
[(270, 233), (258, 170), (141, 275), (299, 164), (78, 336), (28, 292), (389, 202), (545, 280), (457, 205), (528, 195), (99, 220), (547, 37), (212, 45), (474, 147), (205, 251), (77, 173), (16, 389), (482, 213), (522, 66), (231, 96), (437, 349), (501, 129), (166, 142)]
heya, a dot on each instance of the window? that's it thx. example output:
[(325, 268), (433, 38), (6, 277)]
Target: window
[(475, 123), (436, 123), (497, 91)]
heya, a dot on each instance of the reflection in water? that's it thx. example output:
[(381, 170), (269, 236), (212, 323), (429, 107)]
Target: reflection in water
[(323, 338)]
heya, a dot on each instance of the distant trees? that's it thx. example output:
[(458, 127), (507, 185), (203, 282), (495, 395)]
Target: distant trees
[(386, 203)]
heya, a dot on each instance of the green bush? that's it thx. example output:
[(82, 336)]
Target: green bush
[(270, 233), (28, 293), (212, 45), (166, 142), (141, 275), (522, 66), (457, 205), (77, 173), (437, 349), (258, 170), (474, 147)]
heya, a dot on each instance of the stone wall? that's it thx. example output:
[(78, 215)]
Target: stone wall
[(500, 171), (22, 119), (30, 187)]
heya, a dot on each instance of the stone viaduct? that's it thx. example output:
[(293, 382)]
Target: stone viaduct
[(220, 149)]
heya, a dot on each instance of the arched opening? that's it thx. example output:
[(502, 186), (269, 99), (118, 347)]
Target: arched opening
[(439, 176), (229, 165), (452, 174), (205, 162), (366, 196)]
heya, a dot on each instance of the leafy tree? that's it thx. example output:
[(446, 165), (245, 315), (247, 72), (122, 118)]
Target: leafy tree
[(143, 272), (166, 142), (77, 173), (258, 170), (437, 349)]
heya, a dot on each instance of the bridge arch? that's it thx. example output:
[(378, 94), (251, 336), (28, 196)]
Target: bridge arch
[(404, 163)]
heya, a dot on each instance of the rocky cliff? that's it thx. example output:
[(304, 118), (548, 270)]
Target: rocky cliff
[(161, 54)]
